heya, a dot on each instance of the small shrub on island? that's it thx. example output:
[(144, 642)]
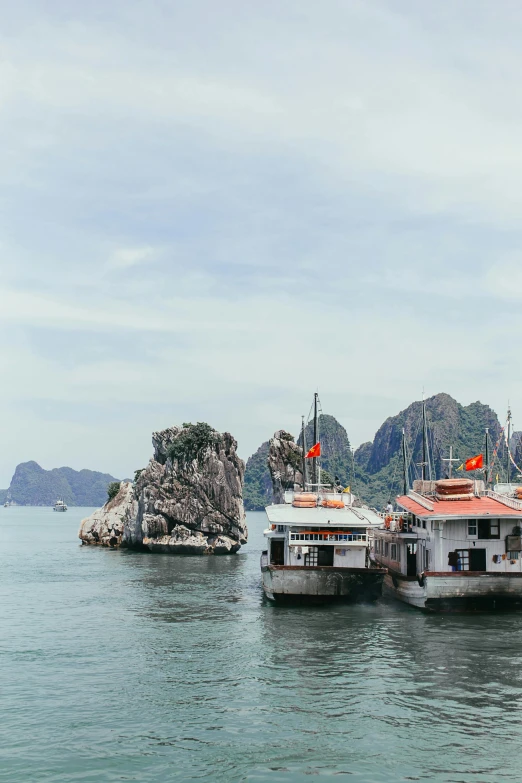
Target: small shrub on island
[(113, 489)]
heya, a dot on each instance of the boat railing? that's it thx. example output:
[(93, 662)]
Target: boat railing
[(396, 521), (327, 536), (516, 505)]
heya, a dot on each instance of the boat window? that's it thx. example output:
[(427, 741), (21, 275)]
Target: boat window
[(513, 555), (393, 552), (386, 548), (463, 560), (424, 524), (488, 528), (426, 559), (280, 528), (472, 527), (377, 545)]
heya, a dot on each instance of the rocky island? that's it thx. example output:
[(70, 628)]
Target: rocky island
[(188, 500)]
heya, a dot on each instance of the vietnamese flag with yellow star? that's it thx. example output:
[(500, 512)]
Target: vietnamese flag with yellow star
[(474, 463), (315, 451)]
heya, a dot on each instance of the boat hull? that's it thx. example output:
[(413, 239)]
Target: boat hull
[(321, 584), (458, 591)]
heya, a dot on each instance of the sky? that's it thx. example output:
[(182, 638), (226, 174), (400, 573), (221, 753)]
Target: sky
[(209, 211)]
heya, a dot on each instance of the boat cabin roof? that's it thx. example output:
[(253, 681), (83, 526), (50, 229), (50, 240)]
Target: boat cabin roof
[(286, 514), (482, 506)]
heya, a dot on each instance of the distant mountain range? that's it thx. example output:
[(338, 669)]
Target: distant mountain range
[(375, 470), (31, 485)]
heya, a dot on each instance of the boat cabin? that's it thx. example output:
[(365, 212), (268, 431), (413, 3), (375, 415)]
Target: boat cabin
[(318, 529), (451, 526)]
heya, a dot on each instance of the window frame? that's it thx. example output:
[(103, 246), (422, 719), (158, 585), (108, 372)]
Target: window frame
[(393, 554), (472, 523)]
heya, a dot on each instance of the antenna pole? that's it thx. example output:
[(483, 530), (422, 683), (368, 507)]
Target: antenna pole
[(304, 451), (405, 466), (486, 450), (314, 461), (424, 438), (507, 442)]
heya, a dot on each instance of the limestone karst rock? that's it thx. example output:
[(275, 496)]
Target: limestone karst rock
[(188, 500), (285, 459), (106, 525)]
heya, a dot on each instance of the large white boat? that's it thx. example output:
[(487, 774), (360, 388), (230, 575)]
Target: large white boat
[(318, 545), (317, 549), (59, 505), (454, 545)]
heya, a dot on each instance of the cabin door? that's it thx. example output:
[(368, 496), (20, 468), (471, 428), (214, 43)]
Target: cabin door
[(277, 551), (325, 555), (477, 559), (411, 559)]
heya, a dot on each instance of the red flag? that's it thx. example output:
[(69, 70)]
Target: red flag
[(474, 463), (315, 451)]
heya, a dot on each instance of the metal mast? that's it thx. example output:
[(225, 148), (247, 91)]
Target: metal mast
[(486, 453), (304, 451), (508, 438), (424, 438), (404, 464), (314, 460)]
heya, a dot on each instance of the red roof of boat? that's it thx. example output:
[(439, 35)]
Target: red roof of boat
[(477, 507)]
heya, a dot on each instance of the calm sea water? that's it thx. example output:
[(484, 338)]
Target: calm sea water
[(121, 666)]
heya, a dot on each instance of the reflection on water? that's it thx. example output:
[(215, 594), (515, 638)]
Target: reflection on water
[(129, 666)]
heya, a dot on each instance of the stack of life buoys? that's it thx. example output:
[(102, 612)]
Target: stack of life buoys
[(387, 522), (458, 486), (333, 503), (518, 493), (304, 500)]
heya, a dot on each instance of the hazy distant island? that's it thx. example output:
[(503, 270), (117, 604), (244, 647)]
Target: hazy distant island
[(31, 485)]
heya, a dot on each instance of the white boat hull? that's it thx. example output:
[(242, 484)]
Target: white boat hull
[(321, 583), (458, 591)]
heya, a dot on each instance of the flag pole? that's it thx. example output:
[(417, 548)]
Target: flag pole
[(304, 451), (314, 461)]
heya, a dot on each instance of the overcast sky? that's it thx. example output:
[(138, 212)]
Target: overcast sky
[(210, 209)]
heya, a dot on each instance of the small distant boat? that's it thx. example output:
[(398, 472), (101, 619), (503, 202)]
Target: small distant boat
[(59, 505)]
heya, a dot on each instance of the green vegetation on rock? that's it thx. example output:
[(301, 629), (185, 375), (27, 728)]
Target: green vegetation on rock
[(376, 473), (379, 467), (257, 490), (192, 442), (113, 489)]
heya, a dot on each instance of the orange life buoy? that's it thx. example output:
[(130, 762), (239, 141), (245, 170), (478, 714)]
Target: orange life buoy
[(387, 522)]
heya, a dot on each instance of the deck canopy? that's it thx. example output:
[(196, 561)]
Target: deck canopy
[(285, 514), (475, 508)]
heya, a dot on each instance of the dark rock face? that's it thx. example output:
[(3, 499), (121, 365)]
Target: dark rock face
[(379, 463), (285, 459), (257, 492), (336, 456), (31, 485), (189, 497), (449, 424)]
